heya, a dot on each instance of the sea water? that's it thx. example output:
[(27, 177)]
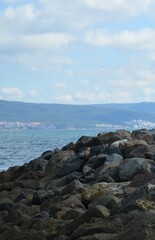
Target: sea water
[(20, 146)]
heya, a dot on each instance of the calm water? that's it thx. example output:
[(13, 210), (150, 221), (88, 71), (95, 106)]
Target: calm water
[(18, 147)]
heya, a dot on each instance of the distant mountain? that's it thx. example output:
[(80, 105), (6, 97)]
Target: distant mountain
[(63, 115)]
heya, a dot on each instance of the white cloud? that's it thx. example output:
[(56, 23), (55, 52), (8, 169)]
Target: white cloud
[(96, 97), (84, 82), (59, 85), (149, 94), (142, 39), (11, 93), (66, 98), (132, 7), (33, 93), (26, 12), (38, 42), (70, 72)]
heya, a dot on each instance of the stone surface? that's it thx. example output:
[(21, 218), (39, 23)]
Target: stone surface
[(132, 166)]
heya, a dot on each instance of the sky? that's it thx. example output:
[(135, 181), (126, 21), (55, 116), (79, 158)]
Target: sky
[(77, 52)]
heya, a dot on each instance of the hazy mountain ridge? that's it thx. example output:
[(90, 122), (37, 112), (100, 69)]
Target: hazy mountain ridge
[(63, 115)]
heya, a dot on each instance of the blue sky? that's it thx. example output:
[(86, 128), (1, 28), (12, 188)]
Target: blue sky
[(77, 52)]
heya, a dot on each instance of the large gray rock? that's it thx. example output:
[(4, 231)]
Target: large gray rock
[(132, 166), (132, 144)]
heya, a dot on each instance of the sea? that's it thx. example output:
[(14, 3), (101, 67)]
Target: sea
[(21, 146)]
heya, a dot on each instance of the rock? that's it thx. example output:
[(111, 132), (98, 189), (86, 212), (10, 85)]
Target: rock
[(96, 226), (96, 212), (103, 188), (5, 204), (97, 188), (59, 208), (103, 177), (69, 146), (99, 149), (74, 187), (139, 226), (111, 169), (14, 233), (86, 141), (42, 214), (114, 158), (140, 151), (58, 158), (108, 201), (132, 166), (38, 197), (143, 135), (142, 198), (96, 161), (132, 144), (142, 179), (29, 184), (24, 195), (87, 170), (109, 138), (66, 167), (47, 155), (100, 236)]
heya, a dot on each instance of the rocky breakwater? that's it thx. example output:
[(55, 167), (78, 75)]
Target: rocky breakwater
[(99, 188)]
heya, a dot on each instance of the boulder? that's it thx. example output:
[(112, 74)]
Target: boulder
[(108, 201), (109, 138), (140, 151), (74, 187), (131, 145), (132, 166)]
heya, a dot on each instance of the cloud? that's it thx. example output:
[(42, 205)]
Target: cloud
[(142, 39), (66, 98), (11, 93), (26, 12), (149, 94), (33, 93), (84, 82), (32, 43), (132, 7), (96, 97), (59, 85)]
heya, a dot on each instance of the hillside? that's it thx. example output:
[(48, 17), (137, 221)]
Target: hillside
[(62, 115)]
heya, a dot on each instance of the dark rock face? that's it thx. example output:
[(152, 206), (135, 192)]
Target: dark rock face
[(98, 188)]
